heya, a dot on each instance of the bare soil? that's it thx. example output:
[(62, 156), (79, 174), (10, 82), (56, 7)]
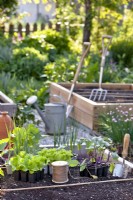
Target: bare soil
[(122, 190)]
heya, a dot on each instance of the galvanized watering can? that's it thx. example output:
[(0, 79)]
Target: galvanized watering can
[(54, 115)]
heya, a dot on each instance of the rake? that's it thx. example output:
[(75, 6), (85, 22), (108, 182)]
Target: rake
[(100, 94), (85, 51)]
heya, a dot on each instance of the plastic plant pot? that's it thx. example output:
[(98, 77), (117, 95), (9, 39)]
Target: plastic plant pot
[(74, 171), (17, 175), (38, 176), (32, 178), (24, 176), (100, 171), (84, 173), (105, 170), (42, 174), (92, 171)]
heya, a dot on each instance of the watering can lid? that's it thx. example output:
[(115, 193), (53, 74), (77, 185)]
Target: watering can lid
[(59, 163), (54, 104)]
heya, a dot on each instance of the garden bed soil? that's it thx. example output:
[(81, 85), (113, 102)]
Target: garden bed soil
[(97, 190)]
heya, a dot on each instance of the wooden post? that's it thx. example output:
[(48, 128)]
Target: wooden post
[(27, 29), (49, 24), (11, 29), (20, 29), (58, 26), (34, 27), (2, 29), (42, 26)]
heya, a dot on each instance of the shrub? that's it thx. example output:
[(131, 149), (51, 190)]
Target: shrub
[(62, 69), (38, 42), (58, 39), (122, 52), (6, 53), (27, 62)]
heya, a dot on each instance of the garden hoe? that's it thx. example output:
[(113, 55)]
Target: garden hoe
[(100, 94), (85, 51)]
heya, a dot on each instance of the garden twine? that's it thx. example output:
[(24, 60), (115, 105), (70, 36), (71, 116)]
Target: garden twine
[(60, 172), (65, 185)]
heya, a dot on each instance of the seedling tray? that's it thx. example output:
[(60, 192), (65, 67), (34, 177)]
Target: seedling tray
[(86, 111)]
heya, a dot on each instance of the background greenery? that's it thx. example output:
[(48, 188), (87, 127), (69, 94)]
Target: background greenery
[(28, 64)]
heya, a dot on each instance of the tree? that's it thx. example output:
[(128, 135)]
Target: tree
[(104, 14), (7, 7)]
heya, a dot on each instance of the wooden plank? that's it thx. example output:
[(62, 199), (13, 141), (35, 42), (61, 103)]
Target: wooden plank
[(83, 117), (83, 109), (112, 86), (76, 100)]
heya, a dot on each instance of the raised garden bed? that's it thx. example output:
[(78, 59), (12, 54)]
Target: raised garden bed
[(87, 111), (83, 188)]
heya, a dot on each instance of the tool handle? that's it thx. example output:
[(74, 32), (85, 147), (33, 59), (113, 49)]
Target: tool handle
[(107, 36), (81, 61), (104, 49), (104, 53), (126, 141), (101, 71), (78, 68)]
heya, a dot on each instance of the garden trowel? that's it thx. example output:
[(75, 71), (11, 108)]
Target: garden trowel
[(126, 142), (121, 169)]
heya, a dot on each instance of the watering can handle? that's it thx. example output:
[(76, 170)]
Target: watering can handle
[(57, 96)]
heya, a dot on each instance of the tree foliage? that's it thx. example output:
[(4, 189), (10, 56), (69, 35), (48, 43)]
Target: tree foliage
[(8, 6), (95, 15)]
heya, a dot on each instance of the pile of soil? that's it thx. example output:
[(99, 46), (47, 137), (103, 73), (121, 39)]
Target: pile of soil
[(97, 190)]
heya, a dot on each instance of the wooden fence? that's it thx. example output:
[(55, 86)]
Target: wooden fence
[(27, 29)]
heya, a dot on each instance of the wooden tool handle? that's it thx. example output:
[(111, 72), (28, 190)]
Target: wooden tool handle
[(87, 45), (107, 36), (125, 145), (86, 50)]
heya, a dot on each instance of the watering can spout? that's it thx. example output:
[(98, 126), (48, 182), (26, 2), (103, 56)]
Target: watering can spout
[(32, 101)]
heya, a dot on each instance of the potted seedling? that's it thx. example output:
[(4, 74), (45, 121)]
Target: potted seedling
[(14, 162), (36, 167), (19, 164), (94, 162), (54, 154)]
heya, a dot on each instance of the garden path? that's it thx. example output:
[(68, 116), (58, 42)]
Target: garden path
[(73, 129)]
